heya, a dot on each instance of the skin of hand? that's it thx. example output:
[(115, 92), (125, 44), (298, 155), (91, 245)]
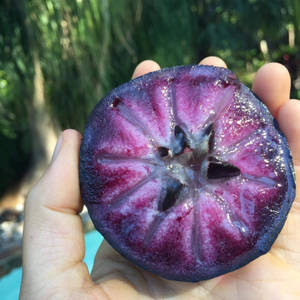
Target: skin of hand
[(53, 243)]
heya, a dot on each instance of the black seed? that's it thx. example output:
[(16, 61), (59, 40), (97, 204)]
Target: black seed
[(208, 129), (180, 142), (213, 159), (210, 132), (116, 101), (218, 169), (225, 83), (172, 192), (163, 151)]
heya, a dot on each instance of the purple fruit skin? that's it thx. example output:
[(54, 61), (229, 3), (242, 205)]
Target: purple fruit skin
[(202, 236)]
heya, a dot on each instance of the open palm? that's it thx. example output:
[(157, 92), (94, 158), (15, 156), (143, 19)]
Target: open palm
[(53, 247)]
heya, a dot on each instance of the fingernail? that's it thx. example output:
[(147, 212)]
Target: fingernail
[(57, 148)]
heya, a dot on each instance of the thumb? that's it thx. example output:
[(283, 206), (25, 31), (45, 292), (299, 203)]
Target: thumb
[(53, 240)]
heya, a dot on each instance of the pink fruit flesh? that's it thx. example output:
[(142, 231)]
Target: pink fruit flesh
[(185, 172)]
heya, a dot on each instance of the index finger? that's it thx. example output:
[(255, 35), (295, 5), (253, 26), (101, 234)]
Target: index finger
[(145, 67), (272, 83)]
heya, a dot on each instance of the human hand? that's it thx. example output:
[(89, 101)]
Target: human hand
[(53, 244)]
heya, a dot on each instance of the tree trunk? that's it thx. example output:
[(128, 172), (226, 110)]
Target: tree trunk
[(43, 132)]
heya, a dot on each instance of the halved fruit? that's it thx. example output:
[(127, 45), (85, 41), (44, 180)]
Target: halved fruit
[(185, 172)]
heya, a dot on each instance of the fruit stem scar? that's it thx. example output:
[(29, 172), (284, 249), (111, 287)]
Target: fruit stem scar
[(117, 100)]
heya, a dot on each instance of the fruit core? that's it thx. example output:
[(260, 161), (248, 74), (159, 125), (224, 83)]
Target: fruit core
[(191, 164)]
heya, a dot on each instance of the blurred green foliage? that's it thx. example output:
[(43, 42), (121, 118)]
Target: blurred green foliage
[(87, 47)]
